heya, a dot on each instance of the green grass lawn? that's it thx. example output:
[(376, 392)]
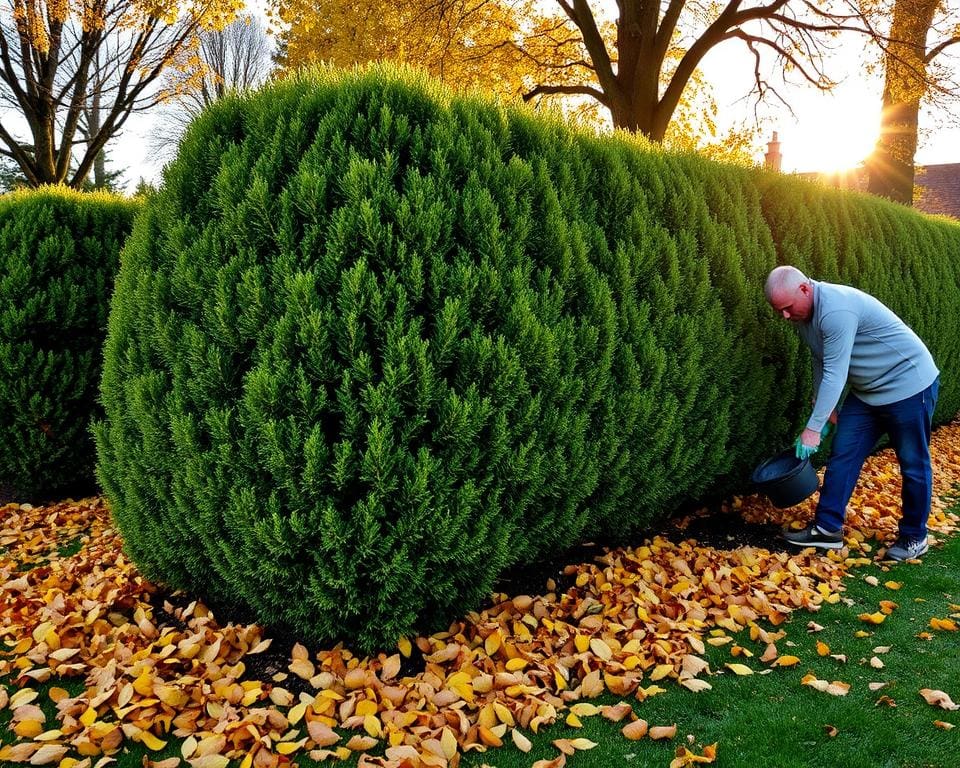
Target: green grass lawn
[(772, 719)]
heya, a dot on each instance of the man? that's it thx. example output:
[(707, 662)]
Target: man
[(857, 341)]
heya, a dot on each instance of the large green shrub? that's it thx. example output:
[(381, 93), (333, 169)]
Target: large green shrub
[(59, 252), (371, 344)]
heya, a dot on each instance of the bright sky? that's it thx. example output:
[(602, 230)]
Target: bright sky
[(828, 132)]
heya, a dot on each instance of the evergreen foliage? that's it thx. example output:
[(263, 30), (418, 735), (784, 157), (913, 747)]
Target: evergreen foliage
[(372, 344), (59, 252)]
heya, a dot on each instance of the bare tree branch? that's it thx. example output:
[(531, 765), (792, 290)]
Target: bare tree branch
[(940, 48), (570, 90), (59, 69), (234, 59)]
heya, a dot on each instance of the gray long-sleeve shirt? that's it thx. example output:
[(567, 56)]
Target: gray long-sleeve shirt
[(855, 338)]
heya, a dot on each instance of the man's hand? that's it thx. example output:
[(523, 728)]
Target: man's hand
[(807, 444)]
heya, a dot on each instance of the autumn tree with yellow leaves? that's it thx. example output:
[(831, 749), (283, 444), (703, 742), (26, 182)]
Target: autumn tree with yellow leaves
[(57, 57), (507, 49), (640, 61), (468, 43)]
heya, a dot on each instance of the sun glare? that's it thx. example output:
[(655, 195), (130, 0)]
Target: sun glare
[(839, 139)]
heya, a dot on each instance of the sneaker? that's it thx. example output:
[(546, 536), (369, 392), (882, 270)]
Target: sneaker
[(812, 536), (908, 549)]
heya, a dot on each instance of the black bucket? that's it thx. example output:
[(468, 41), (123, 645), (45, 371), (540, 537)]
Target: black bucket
[(785, 479)]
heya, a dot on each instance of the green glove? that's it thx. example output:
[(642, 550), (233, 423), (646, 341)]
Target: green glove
[(826, 430), (804, 451)]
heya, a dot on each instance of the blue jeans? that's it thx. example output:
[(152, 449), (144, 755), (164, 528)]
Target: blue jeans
[(908, 422)]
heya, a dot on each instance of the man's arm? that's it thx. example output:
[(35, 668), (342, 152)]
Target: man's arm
[(817, 366), (839, 330)]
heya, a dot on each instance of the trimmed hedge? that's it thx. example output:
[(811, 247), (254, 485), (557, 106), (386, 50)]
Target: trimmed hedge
[(371, 344), (59, 253)]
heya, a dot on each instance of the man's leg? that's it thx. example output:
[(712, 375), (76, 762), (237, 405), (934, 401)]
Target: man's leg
[(858, 430), (910, 424)]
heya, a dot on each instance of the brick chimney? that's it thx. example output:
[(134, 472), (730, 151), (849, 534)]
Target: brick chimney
[(772, 159)]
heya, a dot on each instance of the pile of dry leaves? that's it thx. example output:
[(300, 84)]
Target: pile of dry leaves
[(627, 623)]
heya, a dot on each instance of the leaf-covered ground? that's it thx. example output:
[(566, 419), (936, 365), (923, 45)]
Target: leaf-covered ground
[(100, 668)]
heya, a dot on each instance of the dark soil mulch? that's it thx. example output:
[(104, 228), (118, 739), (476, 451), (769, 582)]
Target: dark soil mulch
[(80, 489), (725, 530)]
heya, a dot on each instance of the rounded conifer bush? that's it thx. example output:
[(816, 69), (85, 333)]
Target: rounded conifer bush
[(359, 361), (59, 253)]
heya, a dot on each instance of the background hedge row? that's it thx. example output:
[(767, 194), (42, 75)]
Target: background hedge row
[(372, 344), (59, 253)]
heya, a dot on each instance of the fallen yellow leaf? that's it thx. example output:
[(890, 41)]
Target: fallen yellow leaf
[(635, 730), (661, 671), (210, 761), (601, 649), (361, 743), (836, 688), (938, 699), (48, 753), (585, 709), (488, 737), (685, 757), (371, 724), (659, 732), (947, 625), (151, 742), (520, 741), (583, 744), (28, 729)]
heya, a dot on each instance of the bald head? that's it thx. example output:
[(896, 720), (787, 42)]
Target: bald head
[(790, 293), (784, 280)]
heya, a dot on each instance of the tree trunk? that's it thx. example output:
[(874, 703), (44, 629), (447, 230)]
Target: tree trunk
[(45, 63), (94, 124), (890, 169), (45, 151), (635, 105)]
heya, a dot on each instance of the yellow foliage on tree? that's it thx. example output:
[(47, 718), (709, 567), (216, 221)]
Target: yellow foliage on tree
[(528, 49), (74, 70), (469, 43)]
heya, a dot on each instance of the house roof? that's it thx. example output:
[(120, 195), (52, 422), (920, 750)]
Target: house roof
[(938, 189)]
